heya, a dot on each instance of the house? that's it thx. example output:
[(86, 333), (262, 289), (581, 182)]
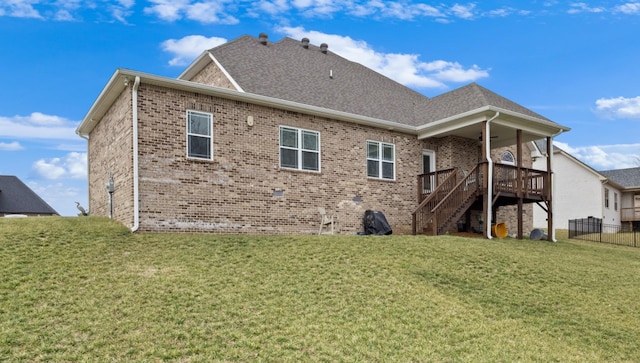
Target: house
[(255, 135), (627, 203), (16, 198), (580, 191)]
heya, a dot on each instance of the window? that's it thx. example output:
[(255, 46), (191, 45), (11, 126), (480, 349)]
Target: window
[(507, 158), (615, 201), (199, 135), (606, 198), (380, 160), (299, 149)]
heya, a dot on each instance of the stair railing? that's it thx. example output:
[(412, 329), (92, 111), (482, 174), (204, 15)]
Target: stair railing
[(445, 180), (455, 203)]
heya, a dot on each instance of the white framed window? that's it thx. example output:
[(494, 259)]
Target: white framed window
[(507, 158), (299, 149), (606, 198), (381, 160), (615, 201), (199, 135)]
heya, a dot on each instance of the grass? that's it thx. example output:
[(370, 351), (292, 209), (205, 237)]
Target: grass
[(85, 289)]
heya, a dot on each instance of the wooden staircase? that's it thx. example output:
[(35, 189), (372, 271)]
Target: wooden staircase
[(447, 203)]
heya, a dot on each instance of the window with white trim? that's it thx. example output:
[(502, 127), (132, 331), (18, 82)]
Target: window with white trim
[(606, 198), (199, 135), (507, 158), (299, 149), (381, 160), (615, 201)]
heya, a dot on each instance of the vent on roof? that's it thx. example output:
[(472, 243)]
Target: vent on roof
[(324, 47), (305, 43), (263, 38)]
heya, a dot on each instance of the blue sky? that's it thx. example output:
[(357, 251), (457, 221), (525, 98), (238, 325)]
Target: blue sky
[(576, 63)]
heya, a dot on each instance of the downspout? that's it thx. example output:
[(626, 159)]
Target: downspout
[(489, 176), (86, 137), (553, 187), (136, 203)]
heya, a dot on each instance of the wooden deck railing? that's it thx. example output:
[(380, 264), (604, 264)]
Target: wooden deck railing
[(443, 196), (506, 178), (629, 214), (429, 182), (441, 184), (456, 201)]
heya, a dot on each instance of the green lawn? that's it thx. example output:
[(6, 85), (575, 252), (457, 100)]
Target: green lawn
[(85, 289)]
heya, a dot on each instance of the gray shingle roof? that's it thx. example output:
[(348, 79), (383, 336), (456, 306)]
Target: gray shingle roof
[(628, 178), (471, 97), (288, 71), (17, 198)]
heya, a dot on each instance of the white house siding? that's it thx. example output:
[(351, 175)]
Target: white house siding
[(578, 193), (611, 214)]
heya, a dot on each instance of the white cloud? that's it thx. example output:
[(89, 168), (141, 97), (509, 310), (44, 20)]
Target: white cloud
[(605, 157), (393, 9), (188, 48), (38, 126), (73, 165), (454, 72), (403, 68), (20, 9), (463, 11), (206, 12), (12, 146), (576, 8), (274, 7), (629, 8), (209, 12), (620, 107), (168, 10)]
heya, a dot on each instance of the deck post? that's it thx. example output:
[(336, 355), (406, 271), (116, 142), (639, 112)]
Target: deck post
[(519, 180), (486, 203), (549, 186)]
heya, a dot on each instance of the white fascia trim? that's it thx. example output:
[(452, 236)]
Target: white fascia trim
[(453, 122), (195, 66), (113, 89), (226, 74), (108, 96)]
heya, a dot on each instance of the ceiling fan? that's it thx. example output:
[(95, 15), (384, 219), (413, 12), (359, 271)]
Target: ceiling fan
[(492, 137)]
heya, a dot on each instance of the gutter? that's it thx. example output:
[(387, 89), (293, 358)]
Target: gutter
[(136, 192), (489, 175)]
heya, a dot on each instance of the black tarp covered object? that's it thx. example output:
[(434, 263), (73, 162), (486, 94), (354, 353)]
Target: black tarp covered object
[(374, 222)]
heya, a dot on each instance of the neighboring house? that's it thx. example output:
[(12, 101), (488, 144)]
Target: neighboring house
[(254, 136), (628, 202), (582, 192), (18, 199)]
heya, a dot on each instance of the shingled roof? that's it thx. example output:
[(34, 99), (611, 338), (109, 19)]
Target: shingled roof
[(628, 178), (291, 70), (471, 97), (17, 198)]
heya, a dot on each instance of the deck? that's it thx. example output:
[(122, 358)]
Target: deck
[(445, 196)]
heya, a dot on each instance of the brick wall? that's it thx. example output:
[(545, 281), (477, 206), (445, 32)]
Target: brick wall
[(243, 189), (110, 151), (212, 75), (234, 193)]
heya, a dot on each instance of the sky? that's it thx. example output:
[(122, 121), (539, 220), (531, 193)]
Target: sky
[(576, 63)]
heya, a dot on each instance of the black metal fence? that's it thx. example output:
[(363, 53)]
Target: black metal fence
[(592, 229)]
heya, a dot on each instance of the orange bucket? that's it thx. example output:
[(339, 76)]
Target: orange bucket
[(499, 230)]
